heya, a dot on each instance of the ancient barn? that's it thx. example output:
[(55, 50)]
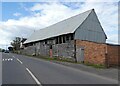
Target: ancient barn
[(80, 37)]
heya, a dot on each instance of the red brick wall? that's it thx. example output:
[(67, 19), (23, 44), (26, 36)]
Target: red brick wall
[(98, 53), (112, 54), (93, 52)]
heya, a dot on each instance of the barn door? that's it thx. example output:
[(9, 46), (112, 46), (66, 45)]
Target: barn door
[(80, 54)]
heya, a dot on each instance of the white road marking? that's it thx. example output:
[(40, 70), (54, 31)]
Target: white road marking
[(19, 61), (5, 59), (36, 80), (9, 59)]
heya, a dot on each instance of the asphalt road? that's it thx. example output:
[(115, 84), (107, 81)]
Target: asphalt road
[(19, 69)]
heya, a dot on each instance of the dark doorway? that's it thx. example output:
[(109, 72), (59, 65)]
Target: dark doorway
[(50, 46)]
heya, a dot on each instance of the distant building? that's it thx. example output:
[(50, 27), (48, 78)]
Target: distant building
[(80, 37)]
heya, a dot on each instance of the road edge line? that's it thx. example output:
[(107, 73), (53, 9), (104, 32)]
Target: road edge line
[(33, 76), (19, 61)]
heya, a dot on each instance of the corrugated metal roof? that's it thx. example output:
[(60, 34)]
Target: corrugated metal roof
[(63, 27)]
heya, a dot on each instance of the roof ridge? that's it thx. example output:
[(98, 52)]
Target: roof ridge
[(69, 18), (65, 26), (86, 17)]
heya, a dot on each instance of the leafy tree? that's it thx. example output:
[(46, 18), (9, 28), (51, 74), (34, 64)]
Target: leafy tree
[(10, 48), (16, 43), (0, 50), (3, 50)]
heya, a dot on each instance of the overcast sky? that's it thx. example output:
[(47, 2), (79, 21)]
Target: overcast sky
[(22, 18)]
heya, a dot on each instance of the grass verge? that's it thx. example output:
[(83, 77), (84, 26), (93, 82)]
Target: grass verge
[(63, 59), (100, 66)]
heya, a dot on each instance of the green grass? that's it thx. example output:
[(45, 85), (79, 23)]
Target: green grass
[(95, 65), (63, 59)]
